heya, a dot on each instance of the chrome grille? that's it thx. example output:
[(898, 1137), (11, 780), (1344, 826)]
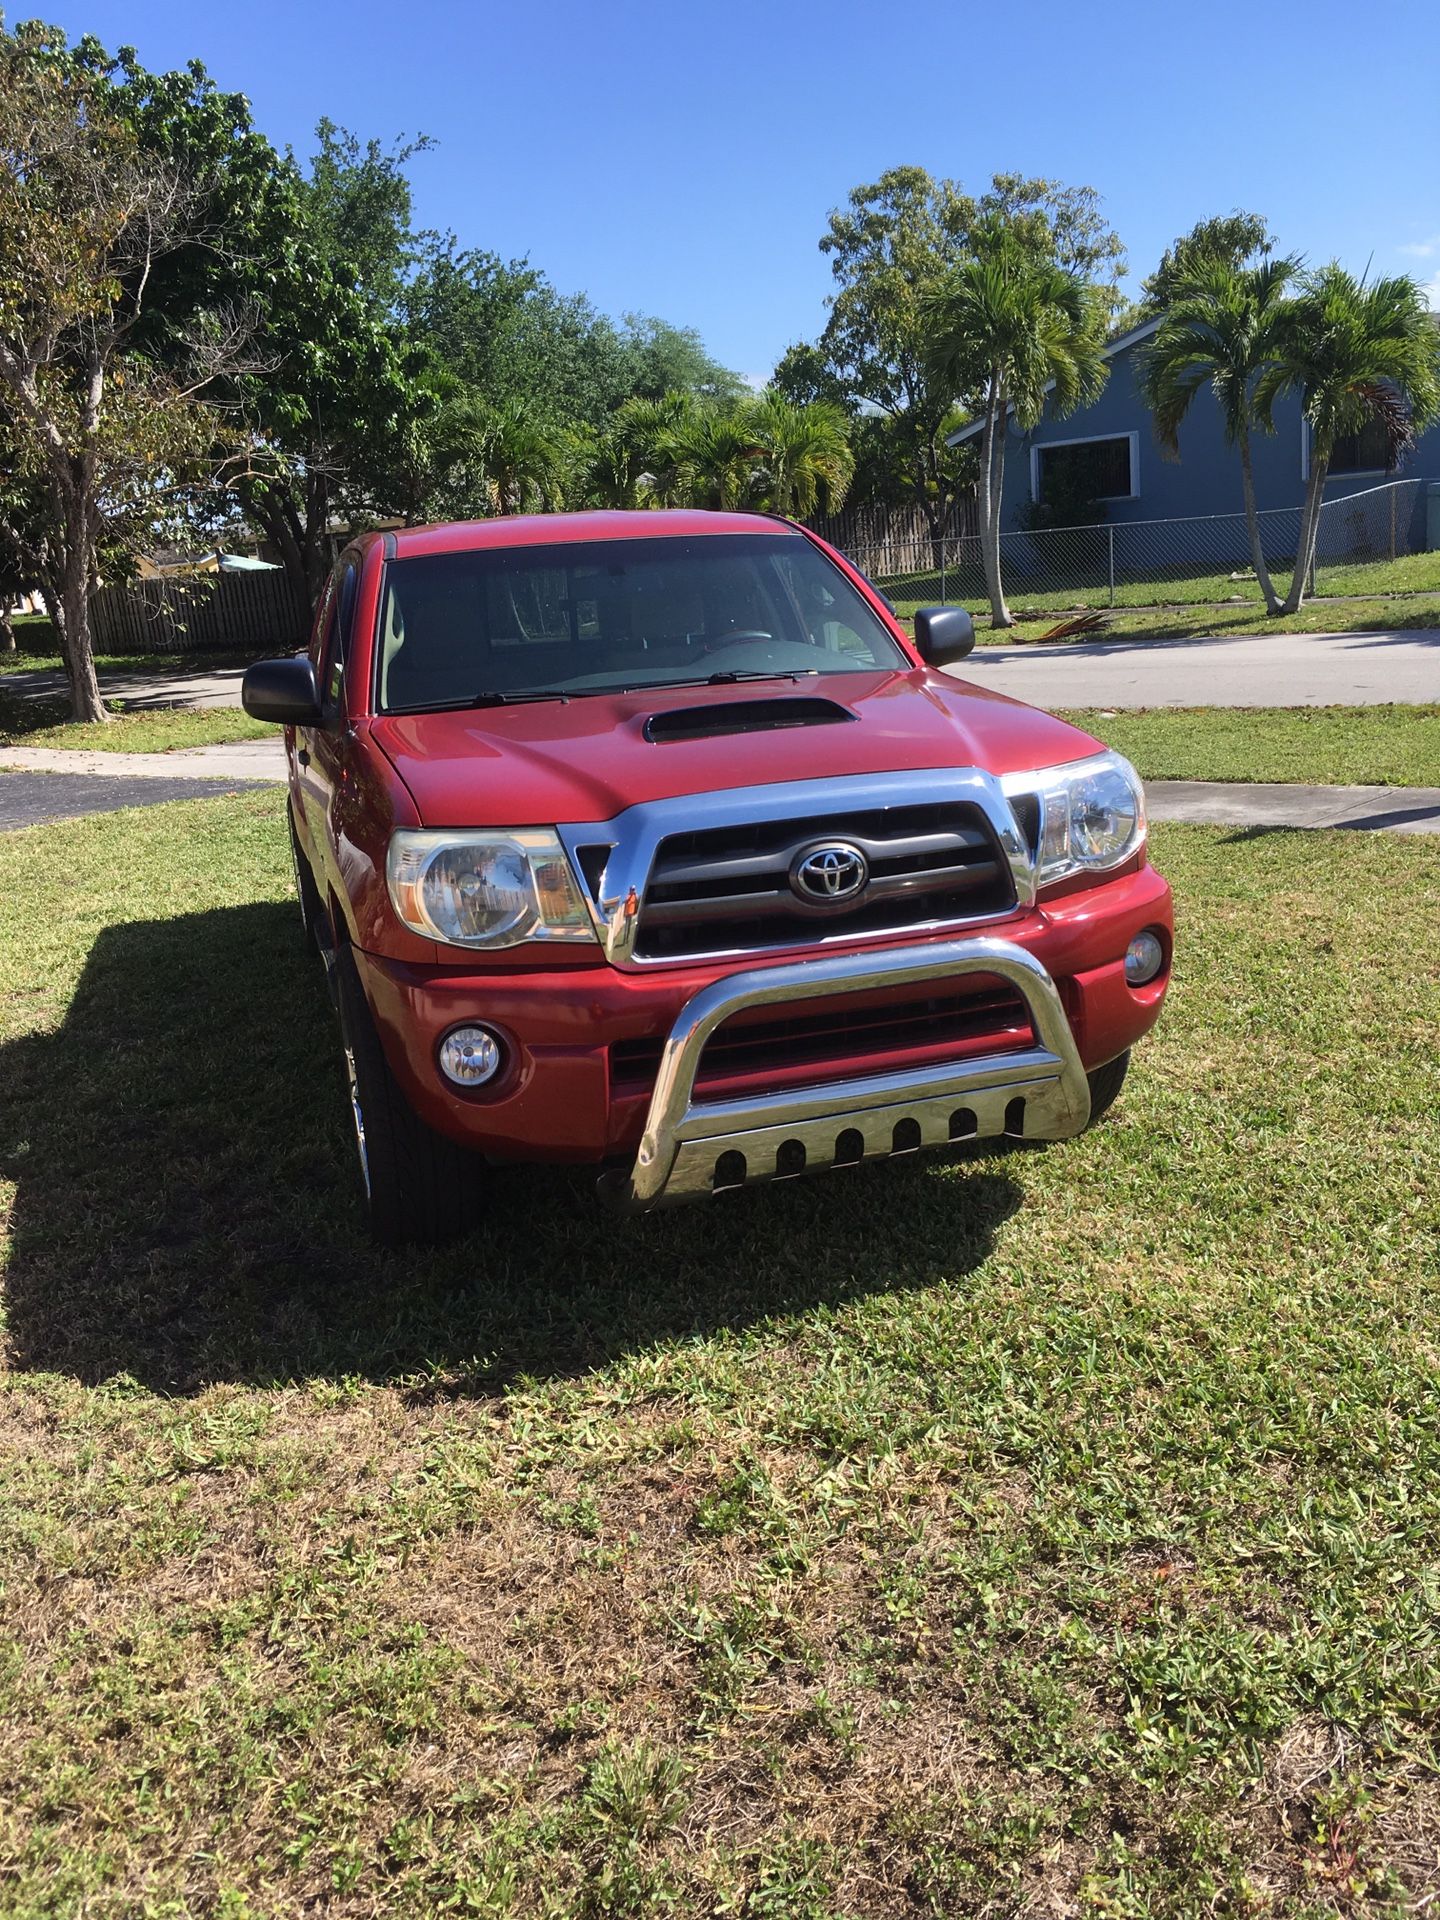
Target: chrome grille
[(728, 889)]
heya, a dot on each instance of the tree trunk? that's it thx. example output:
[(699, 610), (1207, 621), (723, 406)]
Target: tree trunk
[(85, 701), (7, 631), (1252, 522), (991, 500), (992, 475), (1309, 529)]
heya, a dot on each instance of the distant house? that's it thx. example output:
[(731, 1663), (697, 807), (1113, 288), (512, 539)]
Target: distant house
[(1108, 453)]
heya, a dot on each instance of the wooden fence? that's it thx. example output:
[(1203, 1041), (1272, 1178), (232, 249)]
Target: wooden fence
[(893, 539), (203, 611)]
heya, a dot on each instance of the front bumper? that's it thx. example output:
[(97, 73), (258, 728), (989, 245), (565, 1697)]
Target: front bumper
[(692, 1147), (566, 1025)]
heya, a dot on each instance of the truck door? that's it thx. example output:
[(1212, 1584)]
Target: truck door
[(321, 749)]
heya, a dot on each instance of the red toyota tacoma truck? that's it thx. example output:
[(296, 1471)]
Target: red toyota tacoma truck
[(652, 841)]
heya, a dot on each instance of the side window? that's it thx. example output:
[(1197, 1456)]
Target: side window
[(320, 626), (335, 647)]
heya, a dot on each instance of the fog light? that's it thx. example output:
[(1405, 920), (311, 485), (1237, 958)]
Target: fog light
[(1144, 957), (469, 1056)]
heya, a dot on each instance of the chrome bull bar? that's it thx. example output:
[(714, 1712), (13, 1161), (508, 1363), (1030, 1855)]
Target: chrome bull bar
[(689, 1146)]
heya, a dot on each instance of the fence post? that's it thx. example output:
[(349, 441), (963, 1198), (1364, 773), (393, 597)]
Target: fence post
[(942, 569), (1111, 532)]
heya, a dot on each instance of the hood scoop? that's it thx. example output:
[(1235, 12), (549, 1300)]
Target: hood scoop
[(743, 716)]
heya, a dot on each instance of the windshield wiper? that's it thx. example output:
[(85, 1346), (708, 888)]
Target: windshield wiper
[(492, 699), (730, 677)]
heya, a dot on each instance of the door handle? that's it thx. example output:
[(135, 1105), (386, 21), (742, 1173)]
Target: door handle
[(303, 757)]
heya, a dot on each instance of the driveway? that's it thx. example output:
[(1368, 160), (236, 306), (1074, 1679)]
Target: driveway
[(1264, 670)]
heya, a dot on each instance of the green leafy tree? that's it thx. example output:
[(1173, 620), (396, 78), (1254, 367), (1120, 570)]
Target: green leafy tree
[(659, 359), (891, 249), (1023, 331), (1224, 239), (1222, 329), (101, 379), (1355, 352), (358, 210)]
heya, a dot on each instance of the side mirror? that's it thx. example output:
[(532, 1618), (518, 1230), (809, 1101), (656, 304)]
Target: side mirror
[(283, 692), (943, 635)]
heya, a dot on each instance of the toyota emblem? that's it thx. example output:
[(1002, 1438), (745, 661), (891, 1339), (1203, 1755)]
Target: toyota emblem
[(829, 875)]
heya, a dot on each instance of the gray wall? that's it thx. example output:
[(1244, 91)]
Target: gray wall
[(1206, 478)]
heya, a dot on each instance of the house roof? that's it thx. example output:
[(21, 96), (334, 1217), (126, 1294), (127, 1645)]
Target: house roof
[(1125, 341)]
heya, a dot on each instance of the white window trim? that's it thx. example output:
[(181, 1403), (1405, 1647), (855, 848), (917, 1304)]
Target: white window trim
[(1087, 440), (1349, 473)]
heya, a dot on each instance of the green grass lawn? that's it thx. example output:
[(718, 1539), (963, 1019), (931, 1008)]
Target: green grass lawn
[(1383, 746), (1050, 1531), (1415, 573)]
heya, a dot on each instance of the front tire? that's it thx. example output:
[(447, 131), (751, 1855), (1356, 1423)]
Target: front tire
[(1105, 1085), (306, 891), (420, 1188)]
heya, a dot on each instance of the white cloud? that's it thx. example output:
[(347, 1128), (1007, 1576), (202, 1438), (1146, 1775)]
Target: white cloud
[(1421, 249)]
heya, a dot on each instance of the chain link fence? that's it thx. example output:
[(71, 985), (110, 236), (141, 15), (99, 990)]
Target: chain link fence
[(1133, 563)]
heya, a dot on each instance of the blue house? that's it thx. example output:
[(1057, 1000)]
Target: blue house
[(1108, 453)]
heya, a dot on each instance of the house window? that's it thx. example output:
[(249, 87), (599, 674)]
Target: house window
[(1367, 451), (1085, 469)]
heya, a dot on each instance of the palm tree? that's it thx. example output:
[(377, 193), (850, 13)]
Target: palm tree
[(1017, 329), (1222, 328), (1356, 353), (715, 454), (634, 463), (524, 461), (805, 456)]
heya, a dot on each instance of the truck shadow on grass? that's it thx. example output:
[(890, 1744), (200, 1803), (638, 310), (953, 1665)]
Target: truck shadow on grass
[(186, 1207)]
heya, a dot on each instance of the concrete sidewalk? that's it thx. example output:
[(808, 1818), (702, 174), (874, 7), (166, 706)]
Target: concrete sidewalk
[(1242, 804), (159, 687), (234, 760)]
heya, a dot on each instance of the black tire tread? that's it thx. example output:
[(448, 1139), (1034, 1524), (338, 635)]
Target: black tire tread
[(311, 905), (1105, 1085), (424, 1189)]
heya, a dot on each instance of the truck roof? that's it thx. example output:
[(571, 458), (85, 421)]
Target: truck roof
[(545, 529)]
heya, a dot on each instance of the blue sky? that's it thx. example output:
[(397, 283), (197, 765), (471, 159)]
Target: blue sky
[(681, 160)]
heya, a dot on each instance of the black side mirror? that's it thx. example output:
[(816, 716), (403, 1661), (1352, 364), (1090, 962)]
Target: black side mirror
[(282, 691), (943, 635)]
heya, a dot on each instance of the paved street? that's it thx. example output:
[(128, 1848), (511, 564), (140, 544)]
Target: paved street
[(1269, 670), (30, 799)]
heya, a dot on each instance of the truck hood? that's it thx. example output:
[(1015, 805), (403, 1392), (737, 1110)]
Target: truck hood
[(590, 758)]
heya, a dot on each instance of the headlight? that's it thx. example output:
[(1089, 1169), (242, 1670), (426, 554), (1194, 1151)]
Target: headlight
[(1092, 815), (486, 889)]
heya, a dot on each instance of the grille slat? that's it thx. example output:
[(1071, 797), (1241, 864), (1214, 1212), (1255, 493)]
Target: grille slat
[(727, 889)]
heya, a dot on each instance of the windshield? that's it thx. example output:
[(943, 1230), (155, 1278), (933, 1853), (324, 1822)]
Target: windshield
[(458, 628)]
